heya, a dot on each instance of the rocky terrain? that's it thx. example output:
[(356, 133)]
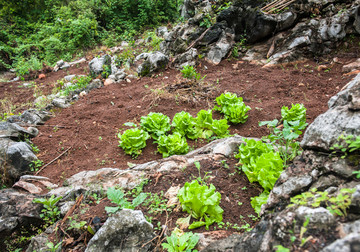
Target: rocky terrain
[(305, 52)]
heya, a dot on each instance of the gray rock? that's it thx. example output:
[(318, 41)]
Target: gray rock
[(38, 243), (325, 131), (319, 217), (69, 78), (95, 83), (353, 227), (126, 231), (61, 103), (97, 65), (35, 117), (17, 209), (152, 62), (357, 19), (15, 158), (325, 182), (64, 208), (221, 48), (292, 186), (350, 243), (355, 198), (160, 31), (15, 132), (187, 58), (222, 245)]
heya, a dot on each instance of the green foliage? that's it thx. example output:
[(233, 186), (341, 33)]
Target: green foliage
[(132, 141), (220, 128), (157, 124), (174, 144), (189, 72), (204, 123), (53, 247), (352, 144), (35, 165), (337, 205), (201, 202), (296, 113), (232, 107), (260, 164), (180, 241), (280, 248), (285, 137), (50, 213), (183, 123), (79, 83), (54, 29), (118, 197), (258, 201)]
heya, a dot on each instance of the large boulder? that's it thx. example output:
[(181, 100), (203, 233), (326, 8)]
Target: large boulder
[(15, 158), (342, 118), (151, 62), (98, 65), (125, 231), (17, 210)]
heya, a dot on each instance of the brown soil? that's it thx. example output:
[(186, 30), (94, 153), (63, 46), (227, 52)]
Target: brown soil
[(90, 126)]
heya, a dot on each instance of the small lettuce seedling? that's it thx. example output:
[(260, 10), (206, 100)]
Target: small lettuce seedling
[(180, 241)]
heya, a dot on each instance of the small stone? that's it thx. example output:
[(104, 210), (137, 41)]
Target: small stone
[(108, 82), (42, 76)]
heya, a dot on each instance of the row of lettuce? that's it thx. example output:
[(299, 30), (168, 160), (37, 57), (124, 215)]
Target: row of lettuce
[(184, 125)]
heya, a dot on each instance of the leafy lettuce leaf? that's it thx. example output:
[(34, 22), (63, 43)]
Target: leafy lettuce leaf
[(232, 107), (220, 128), (201, 202), (184, 123), (180, 241), (174, 144), (258, 201), (157, 124), (132, 141), (296, 113)]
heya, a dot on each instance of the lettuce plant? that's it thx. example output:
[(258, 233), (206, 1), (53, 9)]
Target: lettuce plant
[(174, 144), (204, 122), (260, 164), (132, 141), (233, 108), (156, 124), (220, 128), (183, 123), (201, 202), (296, 113)]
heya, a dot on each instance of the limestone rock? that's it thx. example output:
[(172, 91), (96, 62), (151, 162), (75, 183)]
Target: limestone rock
[(97, 65), (151, 62), (348, 244), (126, 231)]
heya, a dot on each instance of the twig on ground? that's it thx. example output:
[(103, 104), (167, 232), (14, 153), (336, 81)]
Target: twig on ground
[(52, 161)]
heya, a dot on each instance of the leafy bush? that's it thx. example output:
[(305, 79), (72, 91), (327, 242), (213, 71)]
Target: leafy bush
[(132, 141), (79, 83), (157, 124), (174, 144), (189, 72), (202, 203), (50, 213), (285, 138), (337, 205), (232, 107), (180, 241)]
